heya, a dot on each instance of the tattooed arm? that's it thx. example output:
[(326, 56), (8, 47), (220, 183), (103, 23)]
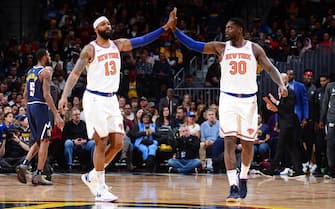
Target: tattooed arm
[(85, 56)]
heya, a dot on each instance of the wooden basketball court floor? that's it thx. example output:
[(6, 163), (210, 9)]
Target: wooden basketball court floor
[(141, 190)]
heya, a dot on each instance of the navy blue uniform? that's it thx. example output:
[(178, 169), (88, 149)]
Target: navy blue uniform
[(39, 114)]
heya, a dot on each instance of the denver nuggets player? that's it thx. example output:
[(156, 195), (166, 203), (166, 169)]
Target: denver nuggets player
[(39, 104), (102, 60), (238, 104)]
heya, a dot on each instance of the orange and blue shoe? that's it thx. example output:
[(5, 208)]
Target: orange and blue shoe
[(243, 188), (234, 195)]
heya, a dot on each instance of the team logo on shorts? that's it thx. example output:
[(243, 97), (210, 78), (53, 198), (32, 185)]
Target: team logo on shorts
[(49, 132), (121, 127), (251, 131)]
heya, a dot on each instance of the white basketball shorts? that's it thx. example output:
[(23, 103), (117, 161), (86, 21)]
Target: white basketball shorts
[(102, 115), (238, 116)]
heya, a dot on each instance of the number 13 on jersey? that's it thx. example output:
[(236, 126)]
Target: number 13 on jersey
[(110, 68)]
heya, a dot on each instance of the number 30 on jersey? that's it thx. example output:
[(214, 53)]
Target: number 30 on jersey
[(238, 67)]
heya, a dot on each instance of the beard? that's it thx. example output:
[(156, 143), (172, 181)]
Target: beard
[(227, 38), (105, 34)]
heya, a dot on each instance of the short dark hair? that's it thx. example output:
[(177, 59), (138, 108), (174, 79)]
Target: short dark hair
[(41, 53), (324, 76), (146, 113), (308, 70), (239, 22)]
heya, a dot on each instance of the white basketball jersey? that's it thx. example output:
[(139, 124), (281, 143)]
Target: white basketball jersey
[(103, 73), (238, 69)]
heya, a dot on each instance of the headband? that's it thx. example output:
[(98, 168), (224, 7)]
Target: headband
[(99, 20), (308, 73)]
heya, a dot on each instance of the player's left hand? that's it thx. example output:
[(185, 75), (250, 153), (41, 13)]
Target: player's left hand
[(283, 91), (59, 122), (62, 104)]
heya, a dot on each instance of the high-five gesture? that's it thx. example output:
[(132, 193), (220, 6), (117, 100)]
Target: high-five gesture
[(171, 23)]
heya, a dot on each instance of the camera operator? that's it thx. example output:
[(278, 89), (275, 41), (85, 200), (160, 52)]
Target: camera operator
[(24, 127), (185, 159), (13, 149)]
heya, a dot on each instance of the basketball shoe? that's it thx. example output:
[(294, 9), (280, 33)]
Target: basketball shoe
[(234, 195), (243, 188), (39, 179), (103, 195), (90, 183), (21, 171)]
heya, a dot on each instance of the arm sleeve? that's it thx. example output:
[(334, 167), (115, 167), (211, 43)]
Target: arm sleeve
[(191, 44), (147, 38)]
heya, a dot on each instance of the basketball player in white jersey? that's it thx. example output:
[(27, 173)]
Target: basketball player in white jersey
[(102, 60), (238, 101)]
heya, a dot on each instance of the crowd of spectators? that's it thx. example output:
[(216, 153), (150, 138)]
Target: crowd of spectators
[(290, 29)]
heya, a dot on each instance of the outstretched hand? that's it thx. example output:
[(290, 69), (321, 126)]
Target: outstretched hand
[(172, 22), (62, 105), (283, 91)]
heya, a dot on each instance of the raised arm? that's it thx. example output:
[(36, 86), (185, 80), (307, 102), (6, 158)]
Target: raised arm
[(124, 44), (213, 47), (85, 55), (265, 62)]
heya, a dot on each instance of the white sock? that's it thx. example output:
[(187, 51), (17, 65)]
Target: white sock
[(244, 171), (232, 177), (100, 178), (92, 174)]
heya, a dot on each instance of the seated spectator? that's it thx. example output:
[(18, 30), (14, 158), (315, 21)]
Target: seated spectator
[(75, 136), (180, 116), (129, 116), (143, 104), (165, 129), (185, 159), (56, 148), (261, 146), (152, 108), (165, 118), (192, 125), (145, 142), (7, 123), (22, 110), (186, 103), (134, 105), (210, 130), (200, 113), (23, 127), (13, 149), (122, 101)]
